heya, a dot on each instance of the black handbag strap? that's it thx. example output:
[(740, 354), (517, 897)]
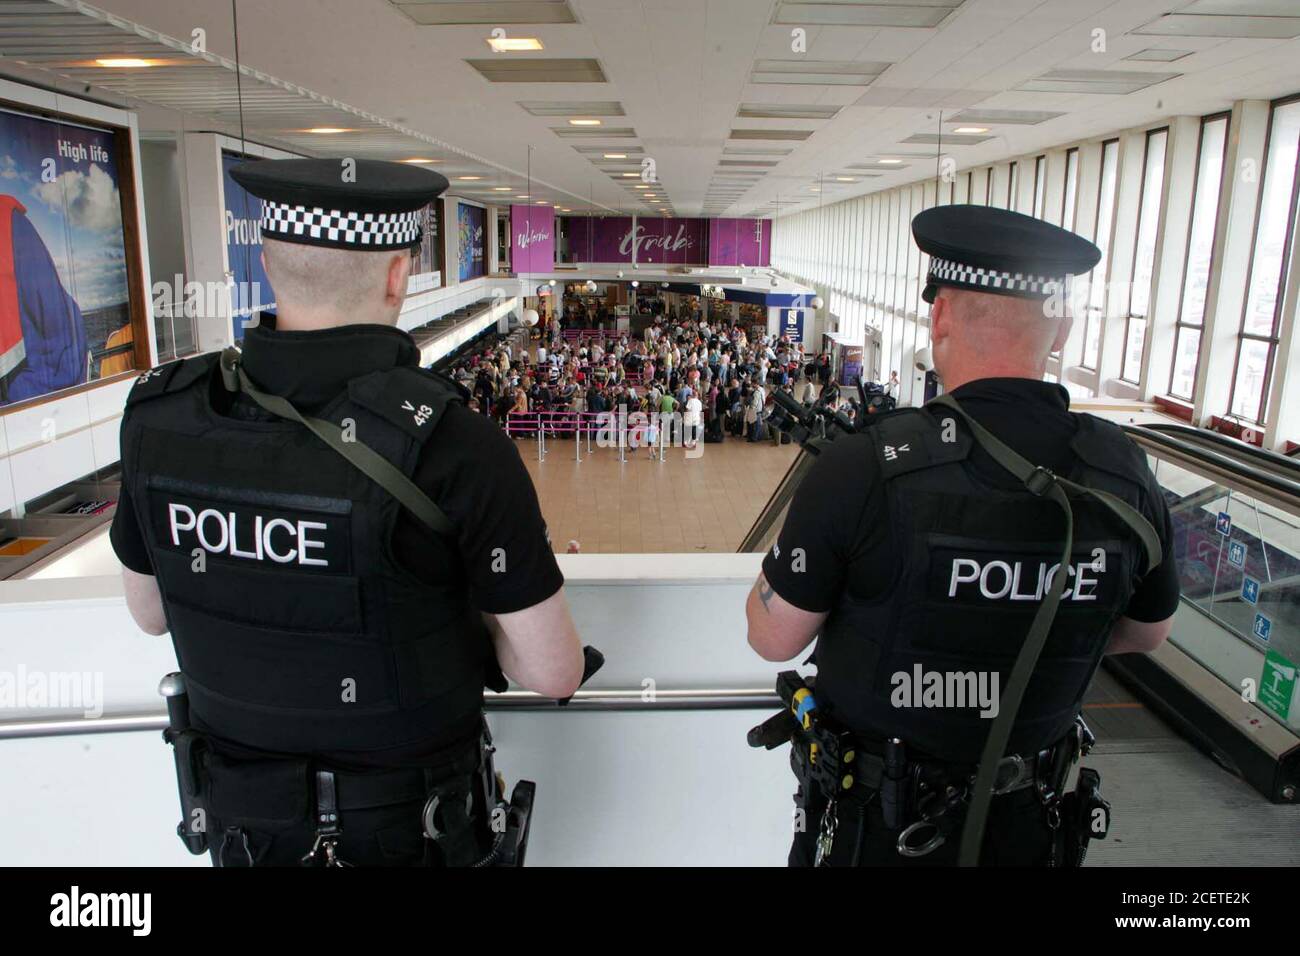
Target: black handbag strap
[(1043, 483)]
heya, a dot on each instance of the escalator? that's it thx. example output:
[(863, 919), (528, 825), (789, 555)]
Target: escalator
[(1226, 681)]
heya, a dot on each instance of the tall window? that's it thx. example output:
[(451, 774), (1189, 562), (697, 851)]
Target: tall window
[(1096, 305), (1144, 253), (1200, 248), (1040, 186), (1013, 177), (1257, 342), (1071, 195)]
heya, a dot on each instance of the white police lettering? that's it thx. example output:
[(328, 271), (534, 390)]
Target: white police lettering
[(149, 375), (222, 532), (421, 414), (892, 453), (1005, 581)]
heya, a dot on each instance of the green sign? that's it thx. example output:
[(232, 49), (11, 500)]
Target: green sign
[(1277, 684)]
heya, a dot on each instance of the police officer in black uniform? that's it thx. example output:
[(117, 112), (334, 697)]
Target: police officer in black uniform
[(924, 553), (342, 552)]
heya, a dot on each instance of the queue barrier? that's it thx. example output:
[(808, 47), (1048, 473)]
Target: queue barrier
[(629, 428)]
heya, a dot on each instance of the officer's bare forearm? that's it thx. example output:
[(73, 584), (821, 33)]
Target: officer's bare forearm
[(1137, 637), (538, 647), (778, 631)]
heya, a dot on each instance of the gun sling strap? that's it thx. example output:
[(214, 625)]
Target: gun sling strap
[(369, 462), (1043, 483)]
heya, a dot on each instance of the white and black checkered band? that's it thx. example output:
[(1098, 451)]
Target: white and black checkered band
[(947, 272), (353, 230)]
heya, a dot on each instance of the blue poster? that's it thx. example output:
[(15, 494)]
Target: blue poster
[(792, 324), (251, 291), (470, 220), (64, 304)]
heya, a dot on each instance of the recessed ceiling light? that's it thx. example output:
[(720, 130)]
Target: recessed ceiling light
[(971, 129), (890, 162), (521, 197), (327, 130), (642, 187), (501, 189), (584, 122), (469, 179), (125, 62), (616, 155), (845, 179), (419, 161), (631, 175), (514, 44)]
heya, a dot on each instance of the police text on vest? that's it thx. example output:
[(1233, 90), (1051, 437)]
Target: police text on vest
[(1019, 581), (223, 532)]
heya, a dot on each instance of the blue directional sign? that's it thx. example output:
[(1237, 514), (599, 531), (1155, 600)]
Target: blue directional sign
[(1250, 590), (1237, 554), (1263, 627), (1223, 524)]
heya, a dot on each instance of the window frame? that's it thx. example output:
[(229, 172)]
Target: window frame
[(1129, 316), (1283, 277), (1180, 324)]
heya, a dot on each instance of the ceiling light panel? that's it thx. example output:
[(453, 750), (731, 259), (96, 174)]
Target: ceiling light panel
[(793, 134), (1236, 19), (773, 111), (538, 70), (899, 13), (1003, 117), (593, 132), (573, 108), (816, 72), (951, 139), (490, 12), (1119, 82), (1158, 55)]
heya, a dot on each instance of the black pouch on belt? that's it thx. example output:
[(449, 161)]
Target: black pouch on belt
[(188, 748), (253, 803)]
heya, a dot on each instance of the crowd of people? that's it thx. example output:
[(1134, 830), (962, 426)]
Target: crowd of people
[(708, 374)]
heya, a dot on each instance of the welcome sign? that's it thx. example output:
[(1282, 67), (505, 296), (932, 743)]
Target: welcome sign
[(532, 238)]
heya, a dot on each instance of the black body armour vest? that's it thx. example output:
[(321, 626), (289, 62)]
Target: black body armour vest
[(975, 559), (295, 627)]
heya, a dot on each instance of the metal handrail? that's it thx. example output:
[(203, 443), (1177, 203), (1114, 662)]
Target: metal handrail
[(518, 701)]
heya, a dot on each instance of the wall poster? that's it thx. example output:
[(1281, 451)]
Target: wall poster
[(65, 302)]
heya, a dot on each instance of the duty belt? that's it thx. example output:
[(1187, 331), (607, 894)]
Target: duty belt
[(923, 799)]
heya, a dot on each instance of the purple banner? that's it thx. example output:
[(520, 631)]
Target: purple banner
[(657, 241), (736, 242), (532, 239)]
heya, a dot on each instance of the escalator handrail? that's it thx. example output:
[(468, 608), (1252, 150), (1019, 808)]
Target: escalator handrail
[(1274, 482), (1235, 445)]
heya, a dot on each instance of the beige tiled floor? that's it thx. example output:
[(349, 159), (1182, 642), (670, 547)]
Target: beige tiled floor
[(637, 506)]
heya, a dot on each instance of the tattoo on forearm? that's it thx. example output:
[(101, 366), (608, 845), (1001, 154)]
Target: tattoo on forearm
[(765, 592)]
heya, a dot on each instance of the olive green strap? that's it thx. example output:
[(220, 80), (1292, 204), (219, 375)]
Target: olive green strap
[(365, 459), (1041, 482)]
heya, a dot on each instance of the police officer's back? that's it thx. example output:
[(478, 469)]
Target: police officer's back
[(920, 562), (337, 545)]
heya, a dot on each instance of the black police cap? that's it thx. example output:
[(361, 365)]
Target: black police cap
[(362, 204), (994, 250)]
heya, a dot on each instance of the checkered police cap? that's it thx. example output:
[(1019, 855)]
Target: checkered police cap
[(987, 249), (361, 204)]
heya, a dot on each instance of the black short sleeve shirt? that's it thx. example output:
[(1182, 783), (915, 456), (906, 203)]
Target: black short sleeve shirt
[(836, 536), (501, 557)]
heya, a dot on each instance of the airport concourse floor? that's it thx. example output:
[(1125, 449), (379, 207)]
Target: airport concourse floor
[(640, 505)]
